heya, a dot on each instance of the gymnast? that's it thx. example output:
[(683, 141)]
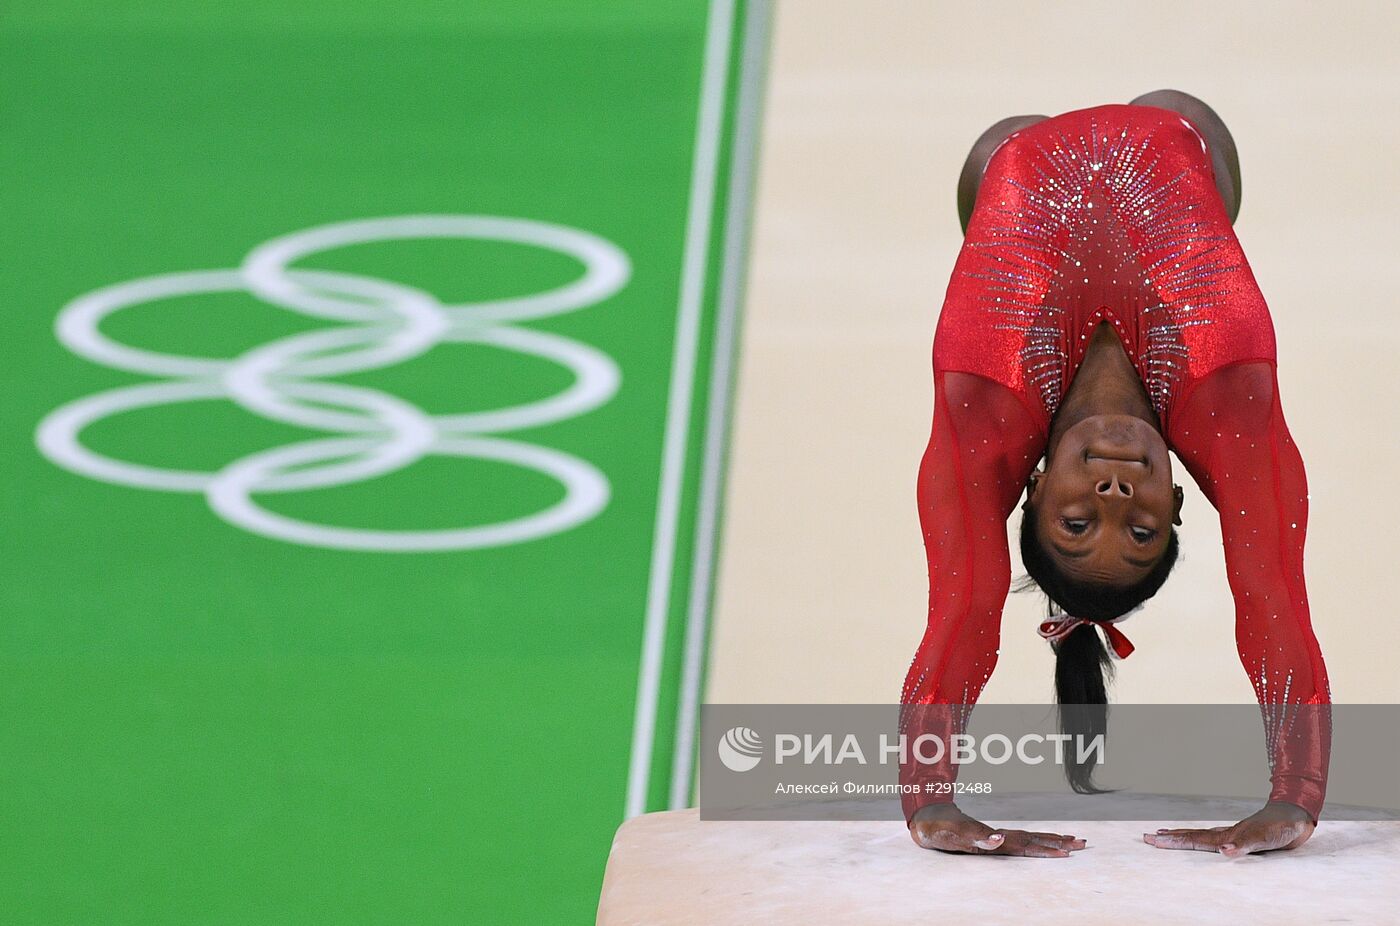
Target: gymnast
[(1101, 313)]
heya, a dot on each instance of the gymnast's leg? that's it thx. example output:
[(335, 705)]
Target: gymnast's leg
[(1224, 158), (971, 178)]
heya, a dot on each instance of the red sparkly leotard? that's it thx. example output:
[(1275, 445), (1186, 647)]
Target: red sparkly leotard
[(1112, 214)]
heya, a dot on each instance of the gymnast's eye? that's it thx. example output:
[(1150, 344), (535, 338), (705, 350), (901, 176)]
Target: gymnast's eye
[(1074, 525), (1143, 534)]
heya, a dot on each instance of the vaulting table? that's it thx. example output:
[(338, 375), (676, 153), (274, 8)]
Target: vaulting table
[(673, 868)]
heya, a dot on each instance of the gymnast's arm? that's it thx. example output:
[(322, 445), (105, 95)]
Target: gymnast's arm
[(1231, 434), (982, 448)]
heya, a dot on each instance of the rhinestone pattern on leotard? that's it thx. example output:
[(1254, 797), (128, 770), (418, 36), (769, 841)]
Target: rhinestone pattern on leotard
[(1097, 216)]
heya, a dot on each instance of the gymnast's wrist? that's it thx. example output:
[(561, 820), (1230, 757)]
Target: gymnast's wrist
[(939, 810), (1300, 791), (1292, 810)]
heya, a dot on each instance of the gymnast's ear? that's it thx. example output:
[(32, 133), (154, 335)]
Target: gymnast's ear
[(1180, 497), (1032, 483)]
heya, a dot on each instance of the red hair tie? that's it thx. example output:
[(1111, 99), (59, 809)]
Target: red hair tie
[(1057, 628)]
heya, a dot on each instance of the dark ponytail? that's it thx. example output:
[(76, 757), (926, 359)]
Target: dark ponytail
[(1083, 665), (1082, 669)]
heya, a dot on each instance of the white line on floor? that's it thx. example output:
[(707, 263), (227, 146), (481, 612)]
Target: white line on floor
[(738, 215), (718, 34)]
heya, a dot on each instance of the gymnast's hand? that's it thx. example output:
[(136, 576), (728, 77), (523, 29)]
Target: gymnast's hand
[(1278, 826), (946, 828)]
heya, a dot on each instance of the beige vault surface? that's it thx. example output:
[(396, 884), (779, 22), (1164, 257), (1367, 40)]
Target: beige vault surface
[(673, 868)]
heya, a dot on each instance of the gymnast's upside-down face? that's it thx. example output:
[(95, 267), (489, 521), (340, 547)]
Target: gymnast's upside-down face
[(1105, 504)]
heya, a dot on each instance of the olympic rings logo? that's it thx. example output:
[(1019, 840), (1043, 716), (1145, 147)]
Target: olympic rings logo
[(378, 323)]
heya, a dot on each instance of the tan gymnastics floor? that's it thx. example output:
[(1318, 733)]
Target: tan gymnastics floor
[(869, 112)]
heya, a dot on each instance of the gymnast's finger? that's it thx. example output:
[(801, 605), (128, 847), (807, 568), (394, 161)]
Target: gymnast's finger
[(1057, 841), (1020, 842), (1199, 840), (1031, 849), (992, 842)]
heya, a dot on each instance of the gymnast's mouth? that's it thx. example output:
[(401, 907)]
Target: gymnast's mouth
[(1140, 461)]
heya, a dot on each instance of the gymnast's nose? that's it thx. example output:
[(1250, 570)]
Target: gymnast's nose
[(1113, 487)]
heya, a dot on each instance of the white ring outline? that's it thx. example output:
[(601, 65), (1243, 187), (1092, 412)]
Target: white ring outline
[(397, 322), (606, 268), (586, 494)]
